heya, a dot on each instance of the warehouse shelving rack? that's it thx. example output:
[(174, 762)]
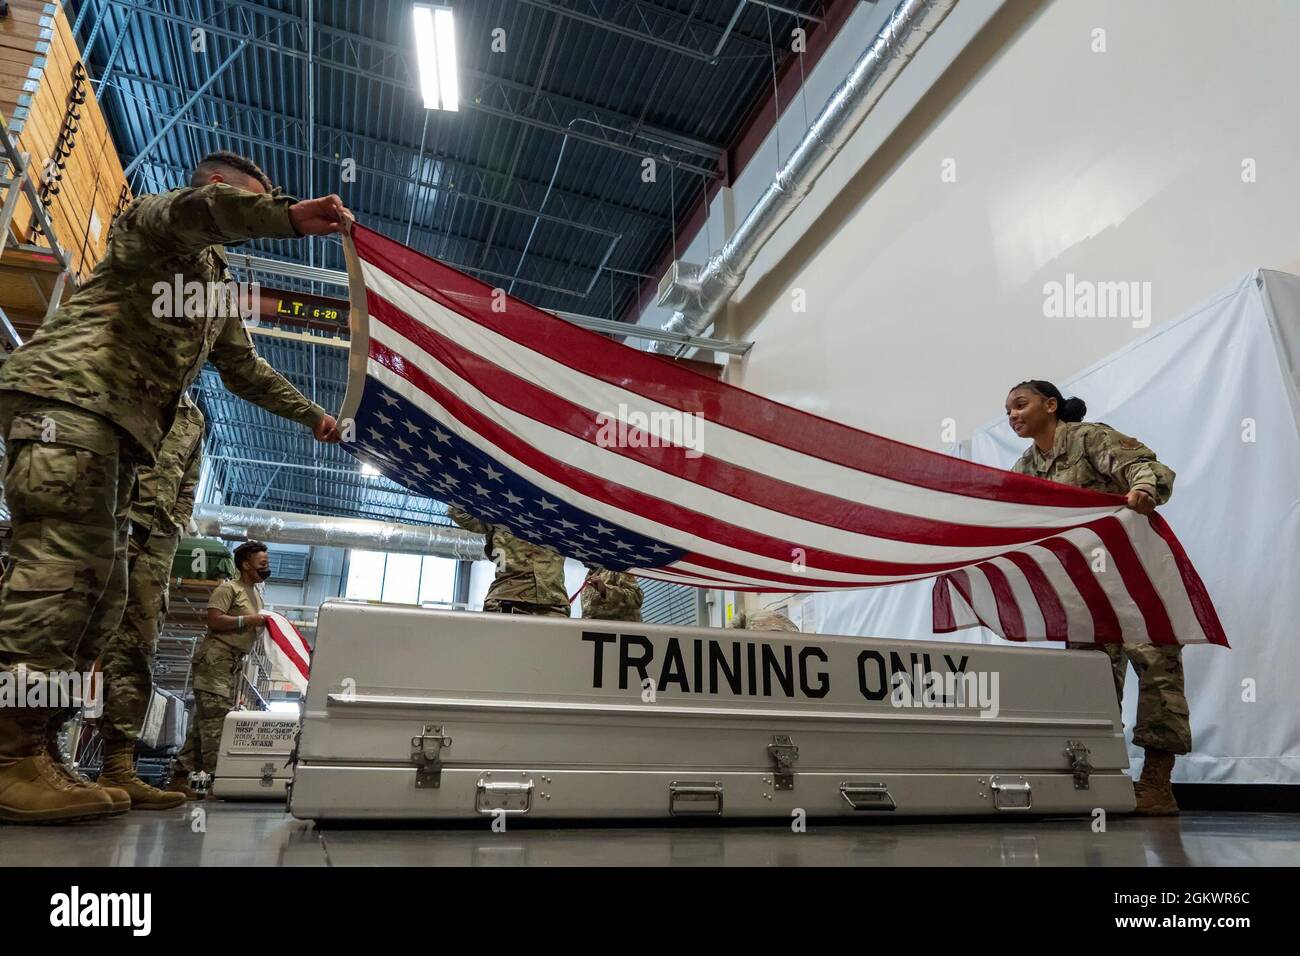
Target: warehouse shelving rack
[(31, 274)]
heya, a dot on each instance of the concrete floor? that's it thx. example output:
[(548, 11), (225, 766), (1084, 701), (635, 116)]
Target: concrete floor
[(247, 834)]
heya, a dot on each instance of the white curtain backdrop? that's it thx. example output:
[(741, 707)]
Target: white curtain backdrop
[(1216, 393)]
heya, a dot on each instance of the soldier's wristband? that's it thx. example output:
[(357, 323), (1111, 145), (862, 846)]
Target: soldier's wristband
[(239, 622)]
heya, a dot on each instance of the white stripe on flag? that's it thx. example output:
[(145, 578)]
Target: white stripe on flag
[(612, 466), (722, 443), (1030, 613), (1077, 616), (1104, 568)]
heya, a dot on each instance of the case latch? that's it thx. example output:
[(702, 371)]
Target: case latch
[(783, 753), (1080, 763), (426, 753)]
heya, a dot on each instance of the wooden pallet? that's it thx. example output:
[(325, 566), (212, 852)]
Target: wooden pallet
[(92, 177)]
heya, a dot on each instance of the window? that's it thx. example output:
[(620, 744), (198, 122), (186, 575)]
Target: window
[(400, 578)]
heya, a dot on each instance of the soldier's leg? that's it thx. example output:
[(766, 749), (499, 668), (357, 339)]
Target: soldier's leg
[(128, 657), (128, 674), (190, 756), (1162, 715), (62, 502), (104, 619), (63, 468), (212, 720), (1163, 728)]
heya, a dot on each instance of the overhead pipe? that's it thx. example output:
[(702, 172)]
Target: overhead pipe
[(699, 293), (280, 527)]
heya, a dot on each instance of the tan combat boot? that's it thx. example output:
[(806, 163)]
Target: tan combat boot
[(181, 784), (31, 789), (120, 798), (119, 772), (1154, 792)]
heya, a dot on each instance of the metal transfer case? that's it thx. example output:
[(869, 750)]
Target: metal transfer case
[(254, 761), (418, 714)]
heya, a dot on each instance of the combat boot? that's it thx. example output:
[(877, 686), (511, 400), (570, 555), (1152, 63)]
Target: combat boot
[(119, 773), (120, 798), (1154, 791), (181, 784), (31, 789)]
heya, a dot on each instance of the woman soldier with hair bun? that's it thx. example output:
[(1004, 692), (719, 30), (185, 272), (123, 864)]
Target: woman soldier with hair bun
[(1093, 455)]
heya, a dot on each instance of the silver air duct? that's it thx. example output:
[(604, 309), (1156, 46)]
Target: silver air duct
[(697, 293), (285, 528)]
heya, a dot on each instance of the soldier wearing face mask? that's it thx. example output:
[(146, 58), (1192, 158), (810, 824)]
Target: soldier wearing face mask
[(234, 619)]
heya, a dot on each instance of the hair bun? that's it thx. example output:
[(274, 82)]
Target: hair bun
[(1072, 410)]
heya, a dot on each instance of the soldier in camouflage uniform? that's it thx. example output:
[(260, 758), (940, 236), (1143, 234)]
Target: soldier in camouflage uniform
[(611, 596), (763, 621), (164, 501), (234, 621), (529, 578), (1092, 455), (90, 397)]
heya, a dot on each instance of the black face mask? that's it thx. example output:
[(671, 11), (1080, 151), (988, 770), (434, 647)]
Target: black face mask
[(263, 573)]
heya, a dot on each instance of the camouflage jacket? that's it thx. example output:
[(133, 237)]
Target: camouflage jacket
[(763, 621), (164, 494), (525, 572), (125, 346), (622, 598), (1095, 456)]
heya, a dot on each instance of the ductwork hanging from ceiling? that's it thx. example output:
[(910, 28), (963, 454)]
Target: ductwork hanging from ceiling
[(699, 293), (275, 527)]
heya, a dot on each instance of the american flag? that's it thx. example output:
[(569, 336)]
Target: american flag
[(581, 444), (287, 651)]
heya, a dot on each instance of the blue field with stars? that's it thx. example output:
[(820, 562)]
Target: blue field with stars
[(414, 450)]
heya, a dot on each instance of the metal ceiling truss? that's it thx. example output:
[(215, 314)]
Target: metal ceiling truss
[(479, 91), (281, 132)]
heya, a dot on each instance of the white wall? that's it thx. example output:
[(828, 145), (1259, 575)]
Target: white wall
[(925, 299)]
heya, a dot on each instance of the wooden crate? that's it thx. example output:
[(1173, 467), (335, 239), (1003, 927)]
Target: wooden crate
[(25, 37), (92, 177)]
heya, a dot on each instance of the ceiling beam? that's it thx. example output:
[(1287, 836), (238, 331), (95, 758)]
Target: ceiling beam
[(480, 91), (331, 140)]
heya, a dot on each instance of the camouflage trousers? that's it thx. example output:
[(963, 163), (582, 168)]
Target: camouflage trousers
[(129, 650), (68, 480), (1162, 713), (499, 606), (203, 740)]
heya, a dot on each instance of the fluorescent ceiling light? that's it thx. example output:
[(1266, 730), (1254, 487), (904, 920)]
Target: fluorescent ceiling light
[(435, 47)]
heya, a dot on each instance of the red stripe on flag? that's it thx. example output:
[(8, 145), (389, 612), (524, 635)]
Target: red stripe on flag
[(744, 484), (944, 620), (1049, 602), (689, 391), (1105, 622), (1199, 597), (283, 642), (639, 503), (961, 581), (1134, 575), (1013, 622)]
